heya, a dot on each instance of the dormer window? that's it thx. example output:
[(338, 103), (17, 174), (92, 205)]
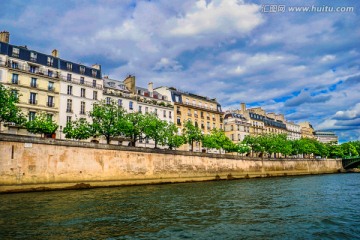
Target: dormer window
[(15, 52), (93, 73), (33, 56), (82, 69), (69, 66), (50, 61)]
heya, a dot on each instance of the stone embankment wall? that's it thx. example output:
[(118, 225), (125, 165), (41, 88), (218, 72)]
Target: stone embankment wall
[(31, 164)]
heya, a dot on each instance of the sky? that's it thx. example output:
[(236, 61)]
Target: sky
[(305, 65)]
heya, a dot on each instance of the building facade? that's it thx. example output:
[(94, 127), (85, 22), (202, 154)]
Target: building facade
[(307, 130), (203, 112), (326, 137), (137, 99), (236, 126), (294, 130)]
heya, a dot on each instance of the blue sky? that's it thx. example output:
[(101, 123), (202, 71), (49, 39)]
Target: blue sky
[(303, 64)]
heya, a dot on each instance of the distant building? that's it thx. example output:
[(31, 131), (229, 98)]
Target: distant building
[(293, 130), (307, 130), (326, 137), (236, 126)]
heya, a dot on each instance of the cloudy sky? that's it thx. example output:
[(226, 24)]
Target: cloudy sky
[(303, 64)]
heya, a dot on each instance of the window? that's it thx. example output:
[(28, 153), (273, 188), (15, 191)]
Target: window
[(50, 61), (15, 52), (232, 137), (51, 86), (50, 73), (15, 93), (32, 69), (33, 83), (50, 102), (33, 56), (214, 125), (68, 77), (94, 83), (170, 114), (95, 95), (140, 110), (108, 100), (178, 121), (32, 116), (164, 113), (177, 98), (32, 99), (93, 73), (82, 108), (15, 65), (82, 80), (69, 90), (146, 109), (120, 102), (82, 69), (15, 78), (187, 101), (156, 113), (68, 119), (69, 106), (69, 66), (82, 92), (131, 105), (231, 128)]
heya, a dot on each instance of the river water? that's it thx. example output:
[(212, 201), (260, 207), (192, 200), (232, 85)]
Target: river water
[(307, 207)]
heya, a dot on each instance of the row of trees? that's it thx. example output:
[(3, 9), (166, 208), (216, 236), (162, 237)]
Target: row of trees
[(111, 121)]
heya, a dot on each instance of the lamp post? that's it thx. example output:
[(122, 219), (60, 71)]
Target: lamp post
[(60, 131)]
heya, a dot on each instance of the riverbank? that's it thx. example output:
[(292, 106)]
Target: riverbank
[(35, 164)]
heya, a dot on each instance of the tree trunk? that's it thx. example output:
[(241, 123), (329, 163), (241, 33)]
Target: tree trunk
[(107, 139)]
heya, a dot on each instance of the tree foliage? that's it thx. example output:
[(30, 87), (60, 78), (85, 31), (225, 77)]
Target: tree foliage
[(79, 129), (41, 124), (9, 111), (154, 128), (191, 134), (172, 139)]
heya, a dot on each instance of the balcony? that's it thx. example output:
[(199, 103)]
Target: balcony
[(202, 117), (80, 82), (33, 85), (82, 112), (178, 123), (68, 110), (195, 115), (208, 118), (51, 89), (214, 119), (33, 101), (178, 112), (189, 114), (50, 104)]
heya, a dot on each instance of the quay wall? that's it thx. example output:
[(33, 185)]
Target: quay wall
[(36, 164)]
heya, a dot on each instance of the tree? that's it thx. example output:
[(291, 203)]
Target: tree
[(9, 112), (42, 124), (243, 148), (335, 151), (255, 143), (79, 129), (218, 140), (349, 149), (191, 134), (172, 139), (154, 128), (107, 120), (133, 127)]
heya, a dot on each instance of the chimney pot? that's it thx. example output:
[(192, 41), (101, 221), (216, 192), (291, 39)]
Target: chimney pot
[(55, 53), (4, 36)]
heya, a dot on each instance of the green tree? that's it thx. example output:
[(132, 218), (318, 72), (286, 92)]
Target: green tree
[(42, 124), (191, 134), (335, 151), (255, 143), (133, 127), (243, 148), (79, 129), (154, 128), (349, 149), (172, 139), (108, 120), (9, 111), (356, 144), (218, 140)]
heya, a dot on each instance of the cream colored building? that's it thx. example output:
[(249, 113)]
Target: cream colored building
[(236, 126), (294, 130), (326, 137), (33, 76), (203, 112), (307, 130)]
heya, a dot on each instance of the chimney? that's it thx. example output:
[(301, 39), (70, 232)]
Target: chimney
[(150, 87), (130, 83), (55, 53), (4, 36), (243, 108), (96, 66)]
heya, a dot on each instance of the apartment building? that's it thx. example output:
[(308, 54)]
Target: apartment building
[(326, 137), (294, 130), (34, 77), (202, 111), (236, 126), (138, 99), (307, 130)]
